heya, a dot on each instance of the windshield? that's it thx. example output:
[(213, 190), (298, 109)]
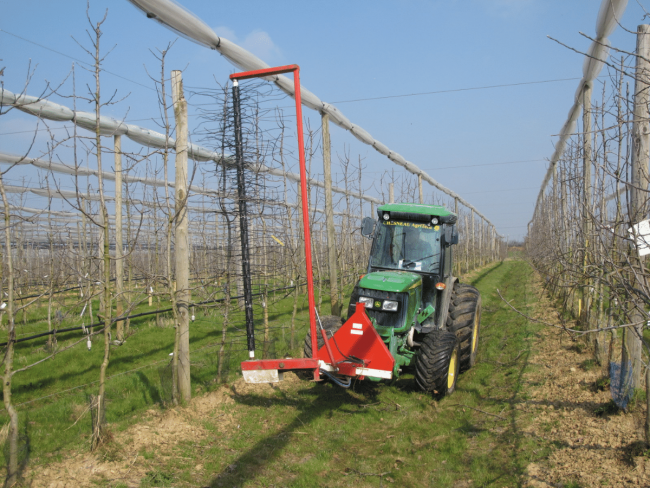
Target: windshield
[(407, 245)]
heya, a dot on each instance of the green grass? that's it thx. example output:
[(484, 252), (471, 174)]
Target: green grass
[(52, 398), (588, 364), (374, 434), (370, 435)]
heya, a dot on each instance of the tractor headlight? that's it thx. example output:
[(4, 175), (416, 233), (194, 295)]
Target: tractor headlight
[(366, 301), (389, 305)]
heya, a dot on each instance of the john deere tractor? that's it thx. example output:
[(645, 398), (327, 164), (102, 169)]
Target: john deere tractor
[(429, 321)]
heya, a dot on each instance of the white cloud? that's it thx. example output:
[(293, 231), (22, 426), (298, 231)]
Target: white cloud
[(258, 42), (226, 32)]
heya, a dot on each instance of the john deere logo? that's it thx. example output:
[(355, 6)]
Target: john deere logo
[(377, 304)]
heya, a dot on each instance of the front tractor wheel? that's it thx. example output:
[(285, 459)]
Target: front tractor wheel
[(438, 363), (464, 319)]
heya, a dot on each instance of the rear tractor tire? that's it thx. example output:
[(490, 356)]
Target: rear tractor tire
[(331, 323), (438, 363), (464, 319)]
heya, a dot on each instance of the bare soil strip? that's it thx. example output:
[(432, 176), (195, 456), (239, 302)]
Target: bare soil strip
[(594, 444)]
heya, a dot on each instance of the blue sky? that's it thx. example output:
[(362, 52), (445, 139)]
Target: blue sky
[(347, 51)]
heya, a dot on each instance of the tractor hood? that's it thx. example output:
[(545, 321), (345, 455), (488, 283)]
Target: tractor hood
[(392, 281)]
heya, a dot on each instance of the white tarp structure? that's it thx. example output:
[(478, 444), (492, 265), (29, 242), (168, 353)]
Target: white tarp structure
[(182, 21), (609, 16), (109, 127), (642, 233)]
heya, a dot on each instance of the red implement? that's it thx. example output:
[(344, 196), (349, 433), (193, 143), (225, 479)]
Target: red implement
[(358, 350)]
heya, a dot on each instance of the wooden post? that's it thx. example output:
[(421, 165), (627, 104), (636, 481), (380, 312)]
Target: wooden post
[(586, 202), (119, 261), (456, 255), (491, 241), (563, 209), (129, 261), (473, 242), (301, 240), (217, 268), (420, 188), (332, 261), (80, 261), (638, 189), (481, 227), (181, 246)]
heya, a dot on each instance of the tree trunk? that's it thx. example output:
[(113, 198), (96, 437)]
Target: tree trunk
[(12, 465)]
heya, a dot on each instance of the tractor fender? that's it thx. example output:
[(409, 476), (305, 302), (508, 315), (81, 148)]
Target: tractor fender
[(445, 301)]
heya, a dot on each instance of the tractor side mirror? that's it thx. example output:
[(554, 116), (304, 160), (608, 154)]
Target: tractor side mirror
[(368, 227), (451, 235)]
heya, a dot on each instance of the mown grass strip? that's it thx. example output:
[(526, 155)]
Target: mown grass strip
[(373, 434), (305, 434), (52, 398)]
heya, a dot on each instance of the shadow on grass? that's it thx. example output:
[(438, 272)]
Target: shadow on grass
[(476, 281), (318, 401), (24, 449)]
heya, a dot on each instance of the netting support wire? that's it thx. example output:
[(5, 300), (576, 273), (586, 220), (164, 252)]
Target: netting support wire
[(180, 20), (243, 221)]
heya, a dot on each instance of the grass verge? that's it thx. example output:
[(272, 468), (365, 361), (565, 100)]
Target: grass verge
[(305, 434)]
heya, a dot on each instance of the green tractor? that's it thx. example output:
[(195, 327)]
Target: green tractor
[(429, 321)]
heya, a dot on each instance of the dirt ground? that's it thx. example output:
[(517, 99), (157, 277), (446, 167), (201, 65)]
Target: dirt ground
[(122, 463), (594, 445)]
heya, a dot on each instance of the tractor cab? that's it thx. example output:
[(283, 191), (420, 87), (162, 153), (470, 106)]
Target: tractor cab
[(410, 266)]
